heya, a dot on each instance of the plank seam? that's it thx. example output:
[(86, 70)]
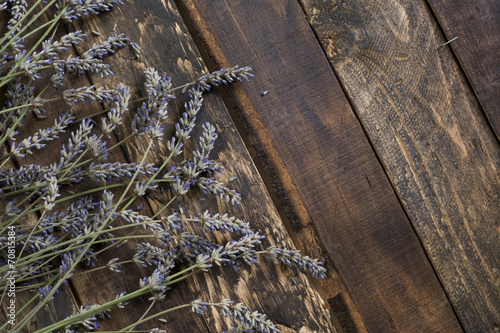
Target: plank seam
[(384, 167), (462, 69)]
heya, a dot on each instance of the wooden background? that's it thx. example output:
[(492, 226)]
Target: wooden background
[(376, 148)]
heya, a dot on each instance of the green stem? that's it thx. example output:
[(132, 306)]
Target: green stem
[(6, 45), (156, 315), (13, 127), (36, 30), (26, 105), (70, 320), (142, 317), (53, 22)]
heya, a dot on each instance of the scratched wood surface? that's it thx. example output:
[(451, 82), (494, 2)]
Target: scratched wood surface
[(326, 174), (286, 295), (476, 25), (372, 140), (430, 133)]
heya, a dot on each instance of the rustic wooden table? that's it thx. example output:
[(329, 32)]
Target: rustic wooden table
[(375, 148)]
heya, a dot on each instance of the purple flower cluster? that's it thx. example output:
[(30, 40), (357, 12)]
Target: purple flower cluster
[(75, 9), (224, 76), (295, 258), (251, 321)]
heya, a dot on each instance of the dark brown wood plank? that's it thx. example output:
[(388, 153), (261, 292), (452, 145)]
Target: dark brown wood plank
[(476, 23), (288, 297), (325, 172), (431, 135)]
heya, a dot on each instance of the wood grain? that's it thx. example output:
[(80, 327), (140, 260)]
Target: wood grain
[(326, 176), (287, 296), (476, 23), (431, 135)]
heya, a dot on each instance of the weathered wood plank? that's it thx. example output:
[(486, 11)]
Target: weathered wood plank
[(288, 298), (431, 135), (327, 177), (476, 23)]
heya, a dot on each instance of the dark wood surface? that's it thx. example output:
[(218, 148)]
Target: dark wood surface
[(361, 140), (476, 25), (318, 157), (430, 133)]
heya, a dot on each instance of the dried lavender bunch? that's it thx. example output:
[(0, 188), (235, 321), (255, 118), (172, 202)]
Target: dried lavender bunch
[(71, 231)]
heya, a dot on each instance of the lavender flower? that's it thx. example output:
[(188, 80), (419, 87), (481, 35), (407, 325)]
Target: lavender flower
[(113, 266), (132, 216), (155, 283), (80, 66), (44, 291), (90, 322), (66, 262), (224, 223), (17, 11), (136, 49), (121, 305), (191, 246), (52, 193), (76, 144), (75, 9), (151, 114), (224, 76), (116, 171), (199, 307), (295, 258), (252, 321), (147, 254), (37, 141), (87, 94), (215, 187), (12, 209), (50, 49), (117, 109), (243, 249), (107, 47)]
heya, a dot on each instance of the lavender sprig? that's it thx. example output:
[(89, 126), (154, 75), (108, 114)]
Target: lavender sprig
[(75, 9), (38, 140), (86, 94), (252, 321), (295, 258), (224, 76)]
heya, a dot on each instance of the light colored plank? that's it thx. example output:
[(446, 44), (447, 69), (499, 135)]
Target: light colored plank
[(431, 135)]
